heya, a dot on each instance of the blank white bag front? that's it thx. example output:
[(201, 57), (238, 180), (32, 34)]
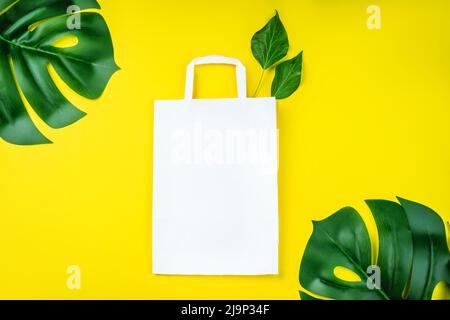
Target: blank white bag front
[(215, 194)]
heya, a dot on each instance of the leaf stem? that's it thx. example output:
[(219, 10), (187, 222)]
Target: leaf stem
[(259, 83)]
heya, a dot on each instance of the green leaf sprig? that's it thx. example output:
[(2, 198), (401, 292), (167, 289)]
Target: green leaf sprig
[(269, 46)]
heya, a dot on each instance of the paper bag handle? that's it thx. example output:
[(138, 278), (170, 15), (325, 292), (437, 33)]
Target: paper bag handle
[(240, 74)]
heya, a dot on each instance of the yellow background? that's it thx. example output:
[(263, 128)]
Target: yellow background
[(371, 120)]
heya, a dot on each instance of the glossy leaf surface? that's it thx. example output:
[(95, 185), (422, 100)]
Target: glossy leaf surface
[(413, 253), (28, 31), (270, 44)]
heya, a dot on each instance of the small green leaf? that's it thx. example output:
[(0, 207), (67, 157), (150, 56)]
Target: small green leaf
[(270, 44), (413, 256), (288, 76)]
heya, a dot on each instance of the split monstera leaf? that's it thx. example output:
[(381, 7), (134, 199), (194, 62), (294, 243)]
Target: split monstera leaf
[(29, 30), (269, 46), (413, 253)]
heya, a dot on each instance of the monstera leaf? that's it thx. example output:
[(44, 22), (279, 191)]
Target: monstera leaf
[(413, 253), (288, 76), (29, 30)]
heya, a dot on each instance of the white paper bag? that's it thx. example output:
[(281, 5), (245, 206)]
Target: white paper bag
[(215, 195)]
